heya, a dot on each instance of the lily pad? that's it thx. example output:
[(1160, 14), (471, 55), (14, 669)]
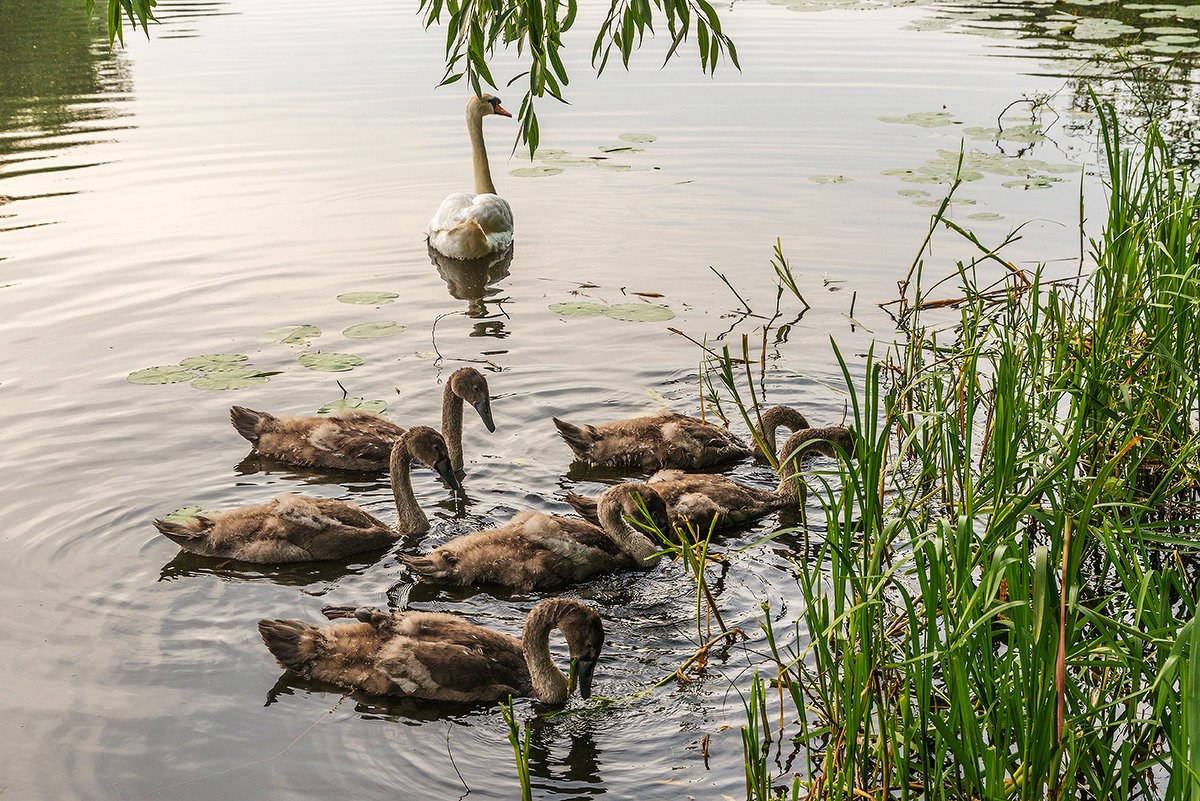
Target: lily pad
[(184, 514), (912, 193), (569, 161), (606, 165), (637, 137), (1032, 182), (167, 374), (371, 406), (375, 330), (830, 179), (535, 172), (578, 309), (621, 149), (213, 362), (331, 362), (291, 334), (639, 312), (367, 298), (925, 119), (230, 379), (985, 216)]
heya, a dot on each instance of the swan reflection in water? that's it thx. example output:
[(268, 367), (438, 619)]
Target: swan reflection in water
[(472, 280)]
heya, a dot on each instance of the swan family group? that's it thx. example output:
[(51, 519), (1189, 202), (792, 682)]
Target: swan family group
[(442, 657)]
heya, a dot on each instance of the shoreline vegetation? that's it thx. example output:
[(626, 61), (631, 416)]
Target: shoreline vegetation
[(1001, 597)]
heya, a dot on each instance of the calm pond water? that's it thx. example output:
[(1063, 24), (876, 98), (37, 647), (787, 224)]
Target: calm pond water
[(253, 161)]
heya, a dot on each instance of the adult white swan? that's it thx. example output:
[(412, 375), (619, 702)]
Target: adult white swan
[(470, 226)]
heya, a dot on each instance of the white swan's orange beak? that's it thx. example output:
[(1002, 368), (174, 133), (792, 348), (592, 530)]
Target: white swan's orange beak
[(497, 110)]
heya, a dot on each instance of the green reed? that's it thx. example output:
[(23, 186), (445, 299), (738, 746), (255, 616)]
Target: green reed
[(520, 746), (1003, 604)]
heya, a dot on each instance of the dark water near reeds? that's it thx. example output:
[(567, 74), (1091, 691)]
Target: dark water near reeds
[(252, 161)]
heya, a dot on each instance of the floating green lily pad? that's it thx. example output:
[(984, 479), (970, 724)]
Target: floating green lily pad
[(367, 298), (954, 201), (639, 312), (213, 362), (578, 309), (605, 165), (375, 330), (1032, 182), (185, 514), (925, 119), (621, 149), (830, 179), (291, 334), (637, 137), (331, 362), (985, 216), (569, 161), (167, 374), (371, 406), (548, 152), (535, 172), (912, 193), (230, 379)]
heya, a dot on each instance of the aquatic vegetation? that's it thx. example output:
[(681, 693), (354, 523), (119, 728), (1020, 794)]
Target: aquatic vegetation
[(367, 298), (331, 362), (638, 137), (358, 404), (291, 334), (830, 179), (225, 371), (535, 172), (230, 379), (186, 513), (377, 329), (165, 374), (629, 312), (214, 362)]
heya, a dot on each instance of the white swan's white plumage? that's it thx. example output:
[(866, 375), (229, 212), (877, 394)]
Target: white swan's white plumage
[(470, 226)]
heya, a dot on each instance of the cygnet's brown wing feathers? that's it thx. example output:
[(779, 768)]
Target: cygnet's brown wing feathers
[(345, 440), (418, 654), (290, 528), (654, 442), (533, 550), (698, 498)]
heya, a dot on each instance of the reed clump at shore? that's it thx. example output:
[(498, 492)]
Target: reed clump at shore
[(1002, 592)]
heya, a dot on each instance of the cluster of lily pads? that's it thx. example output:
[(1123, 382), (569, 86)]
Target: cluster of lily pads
[(629, 312), (226, 371), (554, 161)]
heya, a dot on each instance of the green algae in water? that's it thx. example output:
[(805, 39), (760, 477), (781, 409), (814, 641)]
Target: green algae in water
[(535, 172), (367, 298), (830, 179), (331, 362), (291, 334), (578, 309), (213, 362), (375, 330), (230, 380), (639, 312), (376, 407), (167, 374)]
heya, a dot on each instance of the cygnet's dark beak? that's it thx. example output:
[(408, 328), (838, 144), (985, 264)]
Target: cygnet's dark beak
[(446, 471), (484, 407), (586, 669)]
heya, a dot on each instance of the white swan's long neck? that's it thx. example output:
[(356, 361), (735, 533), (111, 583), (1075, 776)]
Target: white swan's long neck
[(483, 173), (452, 416), (549, 683), (409, 517), (631, 540)]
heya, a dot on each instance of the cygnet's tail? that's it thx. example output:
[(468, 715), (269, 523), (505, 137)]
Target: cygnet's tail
[(249, 423), (587, 507), (439, 567), (292, 642)]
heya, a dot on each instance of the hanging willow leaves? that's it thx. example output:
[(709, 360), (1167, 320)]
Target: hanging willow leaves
[(136, 11), (477, 29)]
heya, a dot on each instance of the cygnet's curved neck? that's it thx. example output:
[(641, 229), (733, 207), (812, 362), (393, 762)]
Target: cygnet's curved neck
[(483, 173), (452, 417), (409, 517), (549, 683), (632, 541), (772, 419)]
